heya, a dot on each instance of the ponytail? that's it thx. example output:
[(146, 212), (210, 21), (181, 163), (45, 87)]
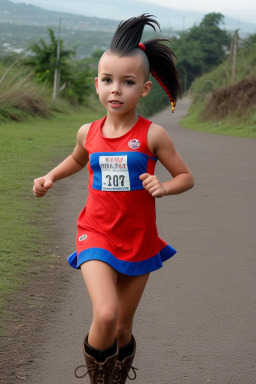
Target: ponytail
[(161, 58)]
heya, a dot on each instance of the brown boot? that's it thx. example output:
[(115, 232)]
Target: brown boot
[(99, 372), (123, 367)]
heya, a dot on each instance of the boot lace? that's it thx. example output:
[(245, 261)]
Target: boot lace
[(124, 367), (101, 371)]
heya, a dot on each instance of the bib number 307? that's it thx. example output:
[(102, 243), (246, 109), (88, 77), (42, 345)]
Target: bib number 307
[(115, 173)]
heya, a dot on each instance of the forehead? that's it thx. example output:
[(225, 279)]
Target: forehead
[(114, 64)]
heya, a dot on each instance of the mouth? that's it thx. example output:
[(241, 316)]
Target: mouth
[(115, 102)]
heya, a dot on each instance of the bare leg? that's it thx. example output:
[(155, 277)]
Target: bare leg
[(129, 292), (100, 280)]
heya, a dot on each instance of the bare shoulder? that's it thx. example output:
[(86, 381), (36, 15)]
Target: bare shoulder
[(158, 137), (82, 134), (155, 129)]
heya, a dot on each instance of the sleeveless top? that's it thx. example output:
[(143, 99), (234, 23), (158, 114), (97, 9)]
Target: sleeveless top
[(118, 223)]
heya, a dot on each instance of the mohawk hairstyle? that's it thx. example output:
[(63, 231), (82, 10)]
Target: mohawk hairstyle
[(129, 33), (161, 58)]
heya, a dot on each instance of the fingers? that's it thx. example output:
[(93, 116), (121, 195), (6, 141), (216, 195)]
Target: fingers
[(152, 185), (144, 176), (41, 186)]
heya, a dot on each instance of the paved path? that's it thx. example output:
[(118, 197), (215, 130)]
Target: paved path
[(196, 321)]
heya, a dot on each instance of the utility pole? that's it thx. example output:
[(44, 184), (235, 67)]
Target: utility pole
[(233, 52), (56, 85)]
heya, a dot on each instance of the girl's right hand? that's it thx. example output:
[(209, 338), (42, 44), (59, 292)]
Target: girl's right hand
[(41, 186)]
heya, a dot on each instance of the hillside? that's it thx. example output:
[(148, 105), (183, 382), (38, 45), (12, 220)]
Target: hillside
[(21, 24), (17, 38), (224, 102), (168, 16), (238, 99), (23, 14)]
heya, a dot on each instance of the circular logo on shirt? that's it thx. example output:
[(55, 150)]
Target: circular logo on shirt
[(83, 237), (134, 144)]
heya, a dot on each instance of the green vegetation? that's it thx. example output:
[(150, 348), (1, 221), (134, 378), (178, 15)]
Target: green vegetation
[(26, 86), (44, 59), (200, 48), (83, 40), (74, 76), (27, 150), (230, 126), (225, 103), (22, 25), (20, 96), (154, 102), (221, 76)]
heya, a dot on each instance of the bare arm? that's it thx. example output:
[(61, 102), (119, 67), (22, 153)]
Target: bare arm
[(161, 144), (71, 165)]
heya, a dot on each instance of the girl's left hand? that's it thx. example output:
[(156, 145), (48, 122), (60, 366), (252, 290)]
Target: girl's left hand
[(152, 185)]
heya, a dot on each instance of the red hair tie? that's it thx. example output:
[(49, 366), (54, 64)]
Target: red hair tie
[(142, 46)]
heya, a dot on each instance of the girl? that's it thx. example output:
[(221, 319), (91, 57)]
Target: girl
[(117, 241)]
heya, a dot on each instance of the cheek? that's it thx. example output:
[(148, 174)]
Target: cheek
[(99, 91), (102, 97), (102, 93)]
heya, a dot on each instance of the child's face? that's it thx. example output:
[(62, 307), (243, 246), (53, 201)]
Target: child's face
[(121, 82)]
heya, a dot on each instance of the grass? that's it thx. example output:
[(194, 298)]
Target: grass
[(220, 77), (19, 96), (28, 150), (230, 126)]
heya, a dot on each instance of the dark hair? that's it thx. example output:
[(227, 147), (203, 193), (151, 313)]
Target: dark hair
[(161, 58)]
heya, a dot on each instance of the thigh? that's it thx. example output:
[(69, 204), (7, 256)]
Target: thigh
[(100, 280), (129, 292)]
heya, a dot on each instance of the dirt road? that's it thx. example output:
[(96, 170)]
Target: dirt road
[(196, 321)]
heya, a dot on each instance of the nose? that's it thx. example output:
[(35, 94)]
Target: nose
[(116, 88)]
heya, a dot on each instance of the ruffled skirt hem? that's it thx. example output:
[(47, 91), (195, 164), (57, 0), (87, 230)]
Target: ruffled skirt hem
[(130, 268)]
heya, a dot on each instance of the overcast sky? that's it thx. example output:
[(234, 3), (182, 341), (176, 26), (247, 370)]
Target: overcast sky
[(206, 6), (244, 10)]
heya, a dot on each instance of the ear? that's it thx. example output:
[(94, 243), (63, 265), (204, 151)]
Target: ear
[(97, 84), (147, 88)]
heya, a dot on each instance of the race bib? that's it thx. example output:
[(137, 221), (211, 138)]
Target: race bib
[(115, 173)]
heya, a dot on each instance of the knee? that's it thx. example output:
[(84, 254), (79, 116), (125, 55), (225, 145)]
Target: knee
[(106, 318)]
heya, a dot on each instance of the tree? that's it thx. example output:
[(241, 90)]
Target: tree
[(80, 84), (201, 48), (44, 59), (75, 75), (214, 40)]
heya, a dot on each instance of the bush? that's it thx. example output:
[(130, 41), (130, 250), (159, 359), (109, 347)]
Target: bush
[(19, 97)]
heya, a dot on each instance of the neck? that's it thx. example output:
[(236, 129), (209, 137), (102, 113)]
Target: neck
[(116, 126), (121, 122)]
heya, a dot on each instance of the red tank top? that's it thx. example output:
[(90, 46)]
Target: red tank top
[(118, 223)]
